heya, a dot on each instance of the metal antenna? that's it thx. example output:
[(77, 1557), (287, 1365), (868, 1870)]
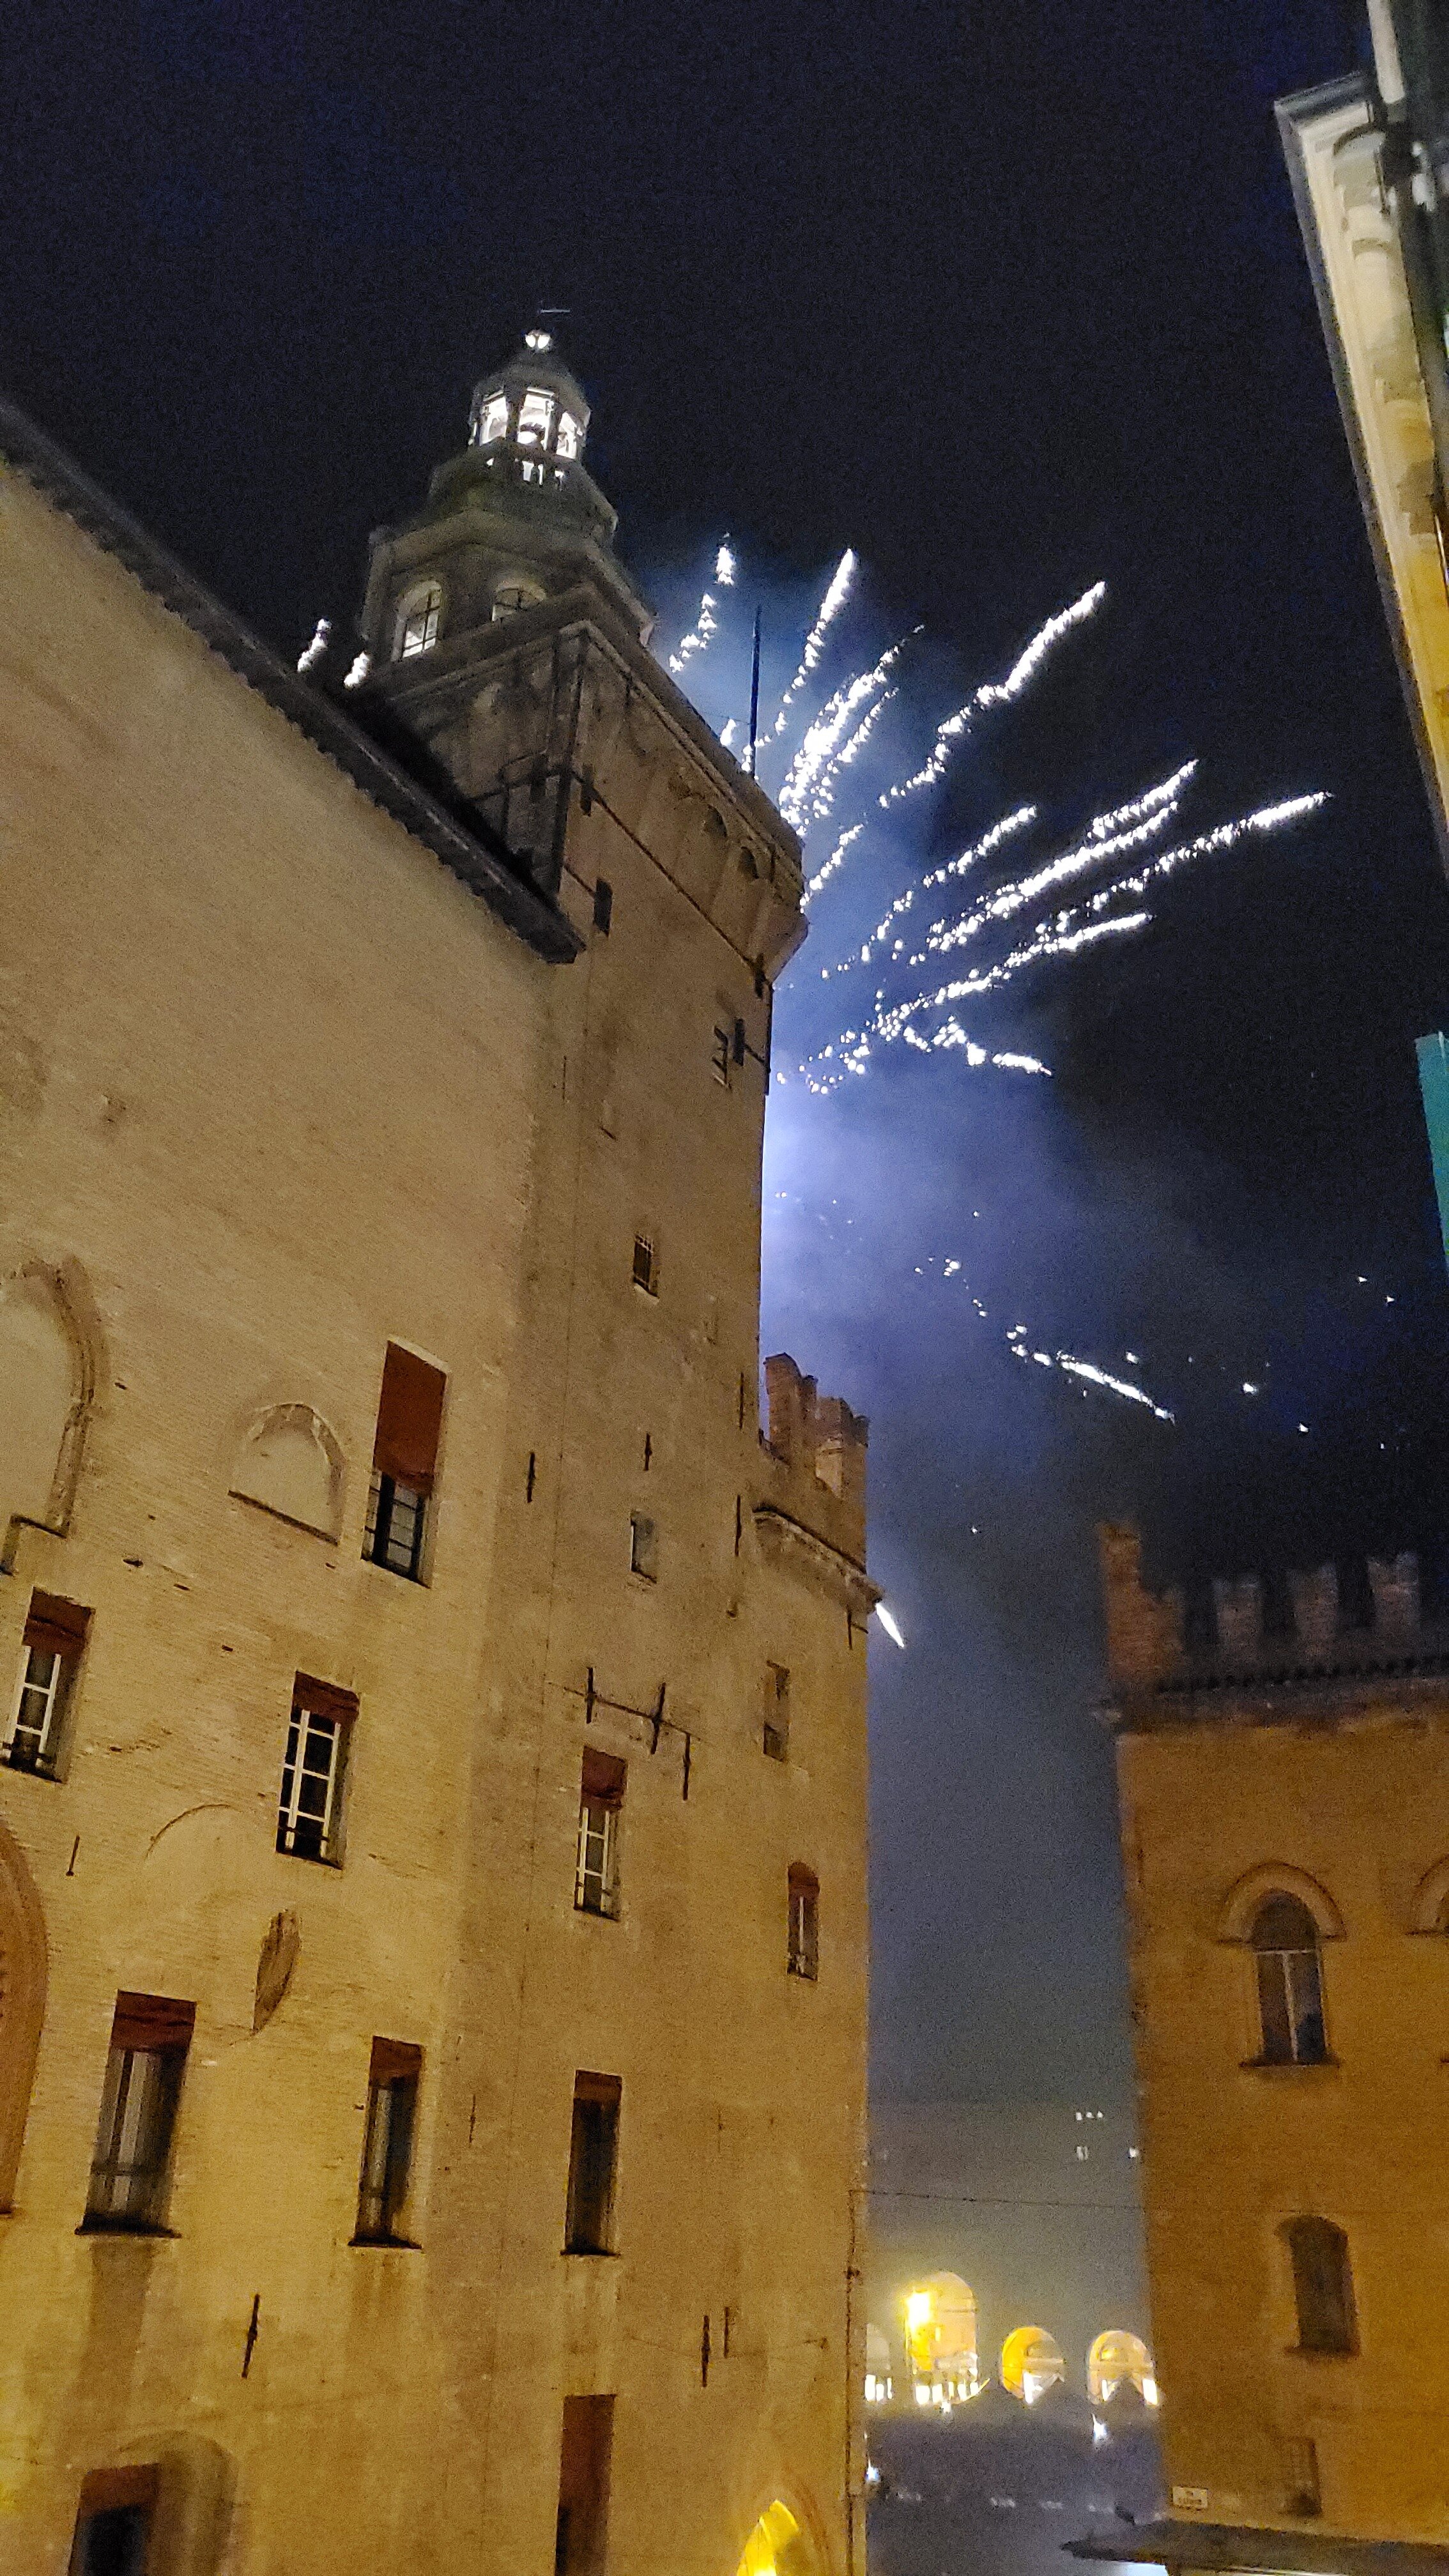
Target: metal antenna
[(755, 695)]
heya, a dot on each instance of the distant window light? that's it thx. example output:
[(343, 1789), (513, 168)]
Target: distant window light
[(601, 1801), (538, 339), (387, 2144), (493, 420), (417, 620), (593, 2163), (54, 1640), (776, 1730), (511, 596), (535, 418), (646, 1265), (1082, 2154), (309, 1812), (643, 1547), (570, 435), (803, 1952), (603, 906), (1290, 1984), (150, 2037), (533, 471), (720, 1053)]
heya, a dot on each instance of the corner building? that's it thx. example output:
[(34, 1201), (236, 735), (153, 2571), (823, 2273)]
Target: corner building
[(432, 1896), (1283, 1762)]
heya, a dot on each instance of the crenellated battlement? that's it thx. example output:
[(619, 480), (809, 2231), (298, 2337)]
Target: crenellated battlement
[(816, 1447), (1251, 1634)]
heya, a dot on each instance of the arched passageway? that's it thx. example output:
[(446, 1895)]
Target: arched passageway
[(1031, 2363), (1118, 2363), (777, 2545)]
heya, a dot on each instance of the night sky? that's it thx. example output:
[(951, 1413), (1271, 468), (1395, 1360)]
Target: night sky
[(1010, 300)]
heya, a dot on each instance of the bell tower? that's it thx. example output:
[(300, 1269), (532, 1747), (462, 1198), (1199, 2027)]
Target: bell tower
[(503, 635), (512, 522)]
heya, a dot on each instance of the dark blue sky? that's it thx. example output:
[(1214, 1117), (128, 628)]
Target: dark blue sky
[(1010, 300)]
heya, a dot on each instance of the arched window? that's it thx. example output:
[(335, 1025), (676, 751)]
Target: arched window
[(803, 1955), (1322, 2285), (419, 612), (1290, 1983)]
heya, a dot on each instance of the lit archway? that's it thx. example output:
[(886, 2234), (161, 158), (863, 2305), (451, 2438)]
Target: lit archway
[(940, 2338), (1119, 2361), (1031, 2363), (776, 2546)]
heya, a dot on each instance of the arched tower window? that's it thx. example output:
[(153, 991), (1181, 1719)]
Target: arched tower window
[(419, 613), (22, 2002), (1290, 1983), (1322, 2285)]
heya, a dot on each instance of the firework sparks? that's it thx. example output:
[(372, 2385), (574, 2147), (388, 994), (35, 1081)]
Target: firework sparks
[(997, 693), (842, 583), (706, 624)]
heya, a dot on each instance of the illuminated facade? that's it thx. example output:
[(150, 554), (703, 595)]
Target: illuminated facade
[(432, 1907), (1369, 162), (1284, 1787)]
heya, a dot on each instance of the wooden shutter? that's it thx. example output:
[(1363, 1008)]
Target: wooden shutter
[(409, 1420), (152, 2022), (604, 1776), (58, 1626), (324, 1699), (598, 2088), (110, 2490), (393, 2059)]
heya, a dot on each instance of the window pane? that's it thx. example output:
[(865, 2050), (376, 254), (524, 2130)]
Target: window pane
[(570, 436), (1305, 1996), (1273, 2009)]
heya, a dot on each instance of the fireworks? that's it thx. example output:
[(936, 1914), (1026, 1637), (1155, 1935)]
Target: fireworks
[(1080, 887)]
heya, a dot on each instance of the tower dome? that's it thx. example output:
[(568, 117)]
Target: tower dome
[(532, 412)]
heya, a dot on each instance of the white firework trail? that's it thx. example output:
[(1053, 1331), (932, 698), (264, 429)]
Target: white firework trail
[(904, 903), (1087, 1370), (1108, 835), (830, 729), (996, 693), (835, 861), (706, 624), (842, 582)]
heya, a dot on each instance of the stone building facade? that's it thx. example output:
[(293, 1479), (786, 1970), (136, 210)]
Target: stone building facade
[(432, 1903), (1284, 1777)]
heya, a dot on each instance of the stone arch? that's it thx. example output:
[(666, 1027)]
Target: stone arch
[(1118, 2361), (50, 1366), (291, 1463), (1275, 1878), (1429, 1910), (941, 2331), (1031, 2363), (777, 2546), (22, 2002)]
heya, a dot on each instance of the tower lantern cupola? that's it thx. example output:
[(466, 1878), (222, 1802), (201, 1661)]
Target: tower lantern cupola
[(511, 523), (530, 418)]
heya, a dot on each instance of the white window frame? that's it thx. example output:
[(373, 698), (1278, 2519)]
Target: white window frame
[(419, 614), (493, 420), (569, 439), (56, 1691), (290, 1812), (597, 1865), (536, 415)]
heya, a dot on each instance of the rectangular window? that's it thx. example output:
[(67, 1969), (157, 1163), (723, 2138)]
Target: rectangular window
[(776, 1736), (113, 2525), (643, 1547), (387, 2145), (404, 1462), (150, 2036), (593, 2156), (1301, 2464), (720, 1054), (55, 1636), (309, 1818), (646, 1268), (583, 2486), (803, 1958), (601, 1800), (603, 906)]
